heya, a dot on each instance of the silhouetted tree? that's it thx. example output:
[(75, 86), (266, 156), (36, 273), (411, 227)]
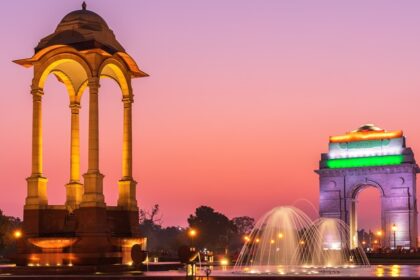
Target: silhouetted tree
[(151, 215), (243, 225), (160, 241), (214, 229), (8, 224)]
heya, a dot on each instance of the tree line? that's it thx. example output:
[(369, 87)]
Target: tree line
[(214, 232)]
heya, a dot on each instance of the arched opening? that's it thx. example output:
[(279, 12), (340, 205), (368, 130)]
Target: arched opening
[(366, 217), (110, 135), (68, 71), (113, 89), (62, 167)]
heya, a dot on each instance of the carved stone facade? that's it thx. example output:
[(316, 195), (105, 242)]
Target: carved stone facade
[(81, 51), (340, 187)]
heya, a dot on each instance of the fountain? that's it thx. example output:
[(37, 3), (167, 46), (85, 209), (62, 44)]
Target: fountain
[(286, 241)]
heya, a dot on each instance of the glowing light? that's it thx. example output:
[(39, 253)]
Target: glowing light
[(272, 241), (379, 233), (257, 240), (17, 234), (52, 243), (380, 271), (192, 232), (302, 242), (280, 236), (247, 238), (394, 228), (375, 241), (224, 261), (365, 161), (395, 270)]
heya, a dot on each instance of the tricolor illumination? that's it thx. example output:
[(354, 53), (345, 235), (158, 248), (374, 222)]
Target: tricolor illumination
[(365, 161), (366, 135), (366, 146)]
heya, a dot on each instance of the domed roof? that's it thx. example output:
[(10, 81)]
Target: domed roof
[(368, 127), (84, 15), (82, 29)]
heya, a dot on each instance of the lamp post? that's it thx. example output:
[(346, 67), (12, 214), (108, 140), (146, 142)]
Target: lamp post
[(192, 233), (379, 234), (394, 230)]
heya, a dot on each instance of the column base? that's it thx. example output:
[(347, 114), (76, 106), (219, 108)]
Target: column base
[(37, 192), (93, 195), (127, 194), (74, 194)]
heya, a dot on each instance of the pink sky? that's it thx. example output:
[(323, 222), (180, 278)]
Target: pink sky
[(241, 98)]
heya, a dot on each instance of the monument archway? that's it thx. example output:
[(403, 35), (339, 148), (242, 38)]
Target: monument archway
[(372, 157)]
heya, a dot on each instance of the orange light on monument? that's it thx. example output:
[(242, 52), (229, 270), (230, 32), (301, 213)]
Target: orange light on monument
[(247, 238), (366, 135), (379, 233)]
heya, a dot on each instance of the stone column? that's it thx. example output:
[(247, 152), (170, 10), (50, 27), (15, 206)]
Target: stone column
[(93, 193), (37, 184), (127, 186), (74, 188)]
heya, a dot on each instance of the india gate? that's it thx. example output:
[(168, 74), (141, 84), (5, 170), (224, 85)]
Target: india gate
[(81, 51), (371, 157)]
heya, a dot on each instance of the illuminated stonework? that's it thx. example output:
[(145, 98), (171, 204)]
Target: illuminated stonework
[(371, 157), (81, 51)]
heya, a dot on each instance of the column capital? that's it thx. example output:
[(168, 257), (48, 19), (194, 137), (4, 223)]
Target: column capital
[(93, 82), (75, 107), (37, 92), (127, 100)]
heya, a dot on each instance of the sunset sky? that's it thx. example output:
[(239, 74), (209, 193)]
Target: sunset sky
[(241, 98)]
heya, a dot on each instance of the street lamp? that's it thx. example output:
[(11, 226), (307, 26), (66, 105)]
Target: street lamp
[(17, 234), (192, 233), (394, 230), (379, 234)]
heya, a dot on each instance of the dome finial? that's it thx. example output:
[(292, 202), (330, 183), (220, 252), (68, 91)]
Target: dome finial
[(84, 6)]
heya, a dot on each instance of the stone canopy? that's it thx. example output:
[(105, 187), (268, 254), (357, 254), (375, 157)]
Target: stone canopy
[(82, 29)]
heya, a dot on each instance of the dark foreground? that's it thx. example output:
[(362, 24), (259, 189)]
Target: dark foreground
[(125, 272)]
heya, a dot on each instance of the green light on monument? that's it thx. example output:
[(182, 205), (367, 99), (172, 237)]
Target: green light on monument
[(365, 161)]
